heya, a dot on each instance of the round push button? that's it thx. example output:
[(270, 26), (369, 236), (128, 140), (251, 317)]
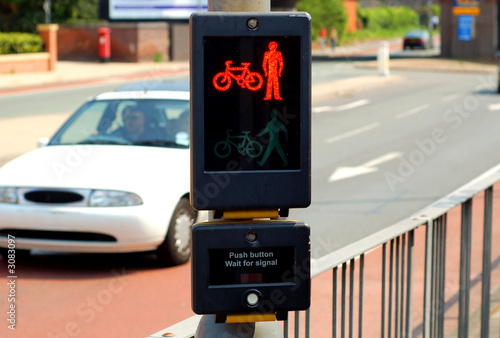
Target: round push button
[(253, 299)]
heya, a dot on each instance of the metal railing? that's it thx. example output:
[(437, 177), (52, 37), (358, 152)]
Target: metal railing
[(397, 244), (398, 274)]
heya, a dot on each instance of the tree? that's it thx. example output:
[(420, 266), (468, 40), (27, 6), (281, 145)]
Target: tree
[(24, 15), (70, 11), (325, 13)]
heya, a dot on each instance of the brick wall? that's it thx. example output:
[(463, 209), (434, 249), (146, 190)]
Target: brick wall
[(22, 63), (77, 43), (152, 40), (130, 42), (124, 43)]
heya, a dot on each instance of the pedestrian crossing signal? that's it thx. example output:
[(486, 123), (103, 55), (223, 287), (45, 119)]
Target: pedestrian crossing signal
[(250, 108)]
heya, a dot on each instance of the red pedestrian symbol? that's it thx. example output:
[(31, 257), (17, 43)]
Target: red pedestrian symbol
[(273, 66)]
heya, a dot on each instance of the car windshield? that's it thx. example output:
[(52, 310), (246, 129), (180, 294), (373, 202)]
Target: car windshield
[(415, 34), (162, 123)]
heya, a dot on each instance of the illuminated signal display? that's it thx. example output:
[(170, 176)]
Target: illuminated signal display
[(252, 103)]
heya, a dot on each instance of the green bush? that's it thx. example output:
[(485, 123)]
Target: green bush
[(325, 13), (380, 18), (13, 43)]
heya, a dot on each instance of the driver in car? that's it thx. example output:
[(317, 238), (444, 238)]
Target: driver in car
[(134, 128)]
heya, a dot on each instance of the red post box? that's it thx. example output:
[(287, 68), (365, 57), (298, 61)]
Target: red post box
[(104, 43)]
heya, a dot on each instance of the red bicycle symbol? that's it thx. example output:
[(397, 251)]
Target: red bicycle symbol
[(251, 80)]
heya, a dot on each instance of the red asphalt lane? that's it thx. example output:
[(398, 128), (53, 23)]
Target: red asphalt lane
[(79, 300)]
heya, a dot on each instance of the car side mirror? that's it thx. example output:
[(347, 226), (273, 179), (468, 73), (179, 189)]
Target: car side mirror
[(42, 142)]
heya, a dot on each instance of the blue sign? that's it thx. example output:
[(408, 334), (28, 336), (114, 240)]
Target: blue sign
[(465, 28)]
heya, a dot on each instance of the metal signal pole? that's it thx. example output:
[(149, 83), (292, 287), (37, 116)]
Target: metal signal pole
[(239, 5)]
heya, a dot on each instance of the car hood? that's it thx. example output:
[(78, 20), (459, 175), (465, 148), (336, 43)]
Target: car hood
[(127, 168)]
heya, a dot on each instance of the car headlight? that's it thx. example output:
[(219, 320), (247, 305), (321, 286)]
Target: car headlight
[(8, 194), (109, 198)]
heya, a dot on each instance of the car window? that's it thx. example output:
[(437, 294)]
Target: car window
[(84, 124), (144, 122)]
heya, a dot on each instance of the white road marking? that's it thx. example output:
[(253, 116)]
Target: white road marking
[(494, 106), (347, 106), (342, 173), (412, 111), (352, 133), (382, 159), (317, 110)]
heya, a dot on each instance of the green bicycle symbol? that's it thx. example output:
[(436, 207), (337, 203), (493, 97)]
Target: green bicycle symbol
[(246, 146)]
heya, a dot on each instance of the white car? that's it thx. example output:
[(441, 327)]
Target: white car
[(103, 184)]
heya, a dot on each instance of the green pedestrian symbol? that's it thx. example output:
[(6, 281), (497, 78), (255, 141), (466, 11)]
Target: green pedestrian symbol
[(273, 127)]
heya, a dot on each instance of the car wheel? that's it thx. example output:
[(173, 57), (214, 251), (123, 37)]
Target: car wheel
[(176, 248)]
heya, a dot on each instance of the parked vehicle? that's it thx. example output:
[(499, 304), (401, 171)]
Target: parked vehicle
[(417, 38)]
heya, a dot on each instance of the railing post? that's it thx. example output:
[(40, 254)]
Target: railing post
[(343, 297), (442, 273), (334, 303), (351, 297), (384, 268), (428, 274), (486, 277), (396, 292), (391, 279), (434, 273), (409, 285), (402, 280), (465, 257), (361, 281)]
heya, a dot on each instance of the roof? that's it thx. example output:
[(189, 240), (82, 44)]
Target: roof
[(147, 86)]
